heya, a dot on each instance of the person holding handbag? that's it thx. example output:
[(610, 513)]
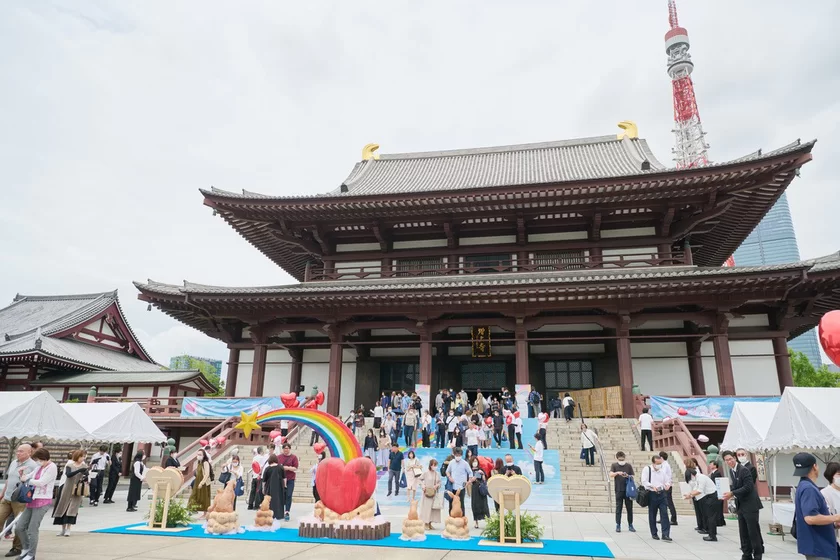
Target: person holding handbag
[(74, 490), (432, 502), (234, 467), (40, 482), (10, 507), (413, 472), (478, 495)]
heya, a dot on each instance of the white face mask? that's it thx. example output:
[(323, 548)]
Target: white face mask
[(457, 459), (743, 459), (509, 464), (622, 463), (657, 467), (837, 481)]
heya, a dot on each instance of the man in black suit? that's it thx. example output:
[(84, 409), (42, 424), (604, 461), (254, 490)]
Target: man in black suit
[(746, 498)]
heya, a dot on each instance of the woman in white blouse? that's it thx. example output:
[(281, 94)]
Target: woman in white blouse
[(413, 470), (42, 480), (587, 444)]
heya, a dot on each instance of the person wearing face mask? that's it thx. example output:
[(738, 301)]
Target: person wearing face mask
[(234, 467), (478, 496), (510, 468), (715, 472), (816, 536), (458, 473), (138, 475), (620, 472), (200, 494), (655, 479), (743, 489), (704, 493), (666, 466), (831, 493)]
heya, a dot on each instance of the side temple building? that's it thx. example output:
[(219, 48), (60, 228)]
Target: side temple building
[(562, 265)]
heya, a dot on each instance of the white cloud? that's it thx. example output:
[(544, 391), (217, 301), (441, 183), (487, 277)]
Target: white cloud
[(115, 114)]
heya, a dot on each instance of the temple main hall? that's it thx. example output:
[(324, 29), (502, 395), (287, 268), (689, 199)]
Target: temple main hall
[(563, 266)]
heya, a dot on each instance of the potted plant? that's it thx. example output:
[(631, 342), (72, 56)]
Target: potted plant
[(529, 524)]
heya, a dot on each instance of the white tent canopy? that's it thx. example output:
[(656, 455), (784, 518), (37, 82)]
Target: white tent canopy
[(748, 425), (36, 414), (114, 422), (806, 420)]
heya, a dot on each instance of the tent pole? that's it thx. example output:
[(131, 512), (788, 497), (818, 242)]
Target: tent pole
[(773, 501)]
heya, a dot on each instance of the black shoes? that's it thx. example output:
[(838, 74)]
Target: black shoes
[(710, 539), (13, 553), (656, 537), (667, 539)]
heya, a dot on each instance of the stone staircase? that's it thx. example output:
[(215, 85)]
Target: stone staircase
[(585, 488)]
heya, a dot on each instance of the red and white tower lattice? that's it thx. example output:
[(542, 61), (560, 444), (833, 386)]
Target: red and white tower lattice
[(690, 148)]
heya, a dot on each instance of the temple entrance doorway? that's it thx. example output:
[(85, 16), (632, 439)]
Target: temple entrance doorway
[(485, 375)]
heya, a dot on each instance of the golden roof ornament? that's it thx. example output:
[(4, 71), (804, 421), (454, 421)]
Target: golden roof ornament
[(369, 152), (629, 130)]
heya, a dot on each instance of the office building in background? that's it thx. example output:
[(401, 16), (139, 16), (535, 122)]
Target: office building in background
[(773, 241)]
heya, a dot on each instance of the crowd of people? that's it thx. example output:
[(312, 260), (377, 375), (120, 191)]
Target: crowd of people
[(272, 474)]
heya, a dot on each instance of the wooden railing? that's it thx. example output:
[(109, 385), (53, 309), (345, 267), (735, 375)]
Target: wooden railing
[(154, 407), (603, 402), (674, 435), (538, 264)]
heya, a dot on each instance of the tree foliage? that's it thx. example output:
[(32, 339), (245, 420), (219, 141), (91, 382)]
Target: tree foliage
[(210, 373), (806, 375)]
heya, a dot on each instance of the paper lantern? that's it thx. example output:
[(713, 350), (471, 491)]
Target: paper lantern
[(830, 335), (344, 487), (289, 400)]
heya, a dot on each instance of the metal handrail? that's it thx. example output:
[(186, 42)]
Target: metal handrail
[(600, 450)]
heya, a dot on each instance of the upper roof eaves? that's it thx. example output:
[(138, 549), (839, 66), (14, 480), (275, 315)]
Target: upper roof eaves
[(600, 157), (51, 314)]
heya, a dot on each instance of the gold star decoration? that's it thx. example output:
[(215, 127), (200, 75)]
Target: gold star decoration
[(248, 423)]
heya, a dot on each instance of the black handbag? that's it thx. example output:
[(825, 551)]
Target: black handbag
[(224, 478), (643, 497)]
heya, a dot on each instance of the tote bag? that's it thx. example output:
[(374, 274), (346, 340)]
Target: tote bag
[(643, 494), (631, 491)]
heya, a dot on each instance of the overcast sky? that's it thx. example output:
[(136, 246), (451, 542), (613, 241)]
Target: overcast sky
[(114, 114)]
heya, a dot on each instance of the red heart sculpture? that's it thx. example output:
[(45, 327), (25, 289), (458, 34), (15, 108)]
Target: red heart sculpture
[(830, 335), (289, 400), (319, 398), (319, 447), (344, 487), (682, 412)]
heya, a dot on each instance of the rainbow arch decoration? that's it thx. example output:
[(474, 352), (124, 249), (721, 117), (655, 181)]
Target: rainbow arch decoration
[(337, 436)]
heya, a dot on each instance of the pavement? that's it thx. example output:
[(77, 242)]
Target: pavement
[(83, 545)]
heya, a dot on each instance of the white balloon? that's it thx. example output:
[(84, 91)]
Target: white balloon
[(703, 438)]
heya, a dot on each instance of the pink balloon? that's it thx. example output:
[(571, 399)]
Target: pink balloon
[(203, 442), (542, 417), (830, 335), (682, 412), (273, 435), (703, 438), (516, 414), (221, 440)]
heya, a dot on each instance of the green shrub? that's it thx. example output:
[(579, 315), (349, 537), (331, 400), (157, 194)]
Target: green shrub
[(179, 514), (529, 524)]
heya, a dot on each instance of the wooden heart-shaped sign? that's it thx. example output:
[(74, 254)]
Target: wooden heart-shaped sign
[(157, 475), (344, 487), (499, 485)]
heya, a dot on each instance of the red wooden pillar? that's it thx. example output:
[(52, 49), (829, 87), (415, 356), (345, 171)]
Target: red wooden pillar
[(258, 372), (783, 369), (232, 372), (523, 376), (426, 358), (723, 358), (334, 385), (625, 367), (297, 368), (695, 367)]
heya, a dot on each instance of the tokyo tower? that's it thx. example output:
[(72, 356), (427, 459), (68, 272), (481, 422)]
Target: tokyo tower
[(690, 148)]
